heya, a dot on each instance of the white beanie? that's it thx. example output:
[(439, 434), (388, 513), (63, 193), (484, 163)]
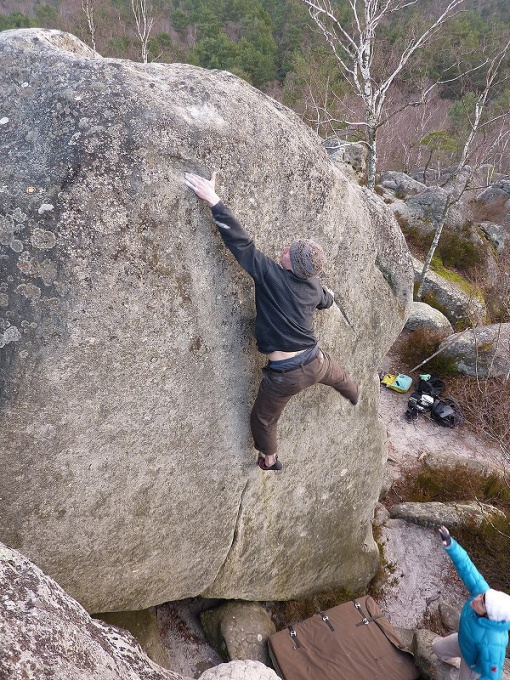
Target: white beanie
[(497, 605)]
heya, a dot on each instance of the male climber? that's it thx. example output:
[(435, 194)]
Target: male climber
[(286, 295)]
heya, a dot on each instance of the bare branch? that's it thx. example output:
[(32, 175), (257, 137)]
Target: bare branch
[(353, 46), (144, 24), (88, 8)]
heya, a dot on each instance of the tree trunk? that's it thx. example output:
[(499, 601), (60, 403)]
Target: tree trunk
[(372, 155), (433, 247)]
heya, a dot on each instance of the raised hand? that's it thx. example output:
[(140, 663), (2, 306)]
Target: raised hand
[(445, 535), (203, 188)]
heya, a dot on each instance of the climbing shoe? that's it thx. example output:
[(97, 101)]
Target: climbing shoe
[(262, 465)]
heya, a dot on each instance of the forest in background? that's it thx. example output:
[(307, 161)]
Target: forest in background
[(275, 46)]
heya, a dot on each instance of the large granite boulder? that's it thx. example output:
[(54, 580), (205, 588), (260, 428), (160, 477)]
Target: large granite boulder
[(483, 352), (452, 514), (239, 630), (47, 634), (350, 156), (129, 366), (461, 305), (497, 235), (240, 670), (400, 184), (498, 192), (430, 667), (441, 460), (430, 318)]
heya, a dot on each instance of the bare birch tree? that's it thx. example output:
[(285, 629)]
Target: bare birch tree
[(144, 23), (88, 8), (354, 43), (476, 125)]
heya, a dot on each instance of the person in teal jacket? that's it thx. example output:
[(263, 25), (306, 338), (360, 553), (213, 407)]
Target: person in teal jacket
[(484, 621)]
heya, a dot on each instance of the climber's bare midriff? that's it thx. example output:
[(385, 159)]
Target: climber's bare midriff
[(280, 356)]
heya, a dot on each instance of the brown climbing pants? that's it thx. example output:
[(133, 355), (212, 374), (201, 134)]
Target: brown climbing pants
[(276, 389)]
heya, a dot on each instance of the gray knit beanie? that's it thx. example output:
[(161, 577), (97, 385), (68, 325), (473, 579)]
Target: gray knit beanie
[(307, 258)]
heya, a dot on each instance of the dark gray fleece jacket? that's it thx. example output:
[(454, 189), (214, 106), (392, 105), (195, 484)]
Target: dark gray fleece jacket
[(285, 303)]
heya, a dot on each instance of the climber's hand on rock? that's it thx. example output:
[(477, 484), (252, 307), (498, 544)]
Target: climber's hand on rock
[(204, 188)]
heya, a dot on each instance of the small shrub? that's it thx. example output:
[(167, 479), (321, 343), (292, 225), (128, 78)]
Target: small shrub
[(497, 294), (402, 221), (489, 547), (496, 211), (458, 250), (419, 345), (415, 238), (459, 484), (485, 405), (441, 365), (291, 612)]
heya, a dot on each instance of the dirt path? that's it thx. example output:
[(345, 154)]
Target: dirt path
[(419, 572)]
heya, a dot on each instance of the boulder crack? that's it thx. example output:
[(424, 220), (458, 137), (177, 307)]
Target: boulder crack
[(236, 529)]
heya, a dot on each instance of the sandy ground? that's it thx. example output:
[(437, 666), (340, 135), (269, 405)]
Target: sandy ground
[(417, 573), (422, 574)]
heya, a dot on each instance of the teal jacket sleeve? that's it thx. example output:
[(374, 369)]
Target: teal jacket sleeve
[(467, 571)]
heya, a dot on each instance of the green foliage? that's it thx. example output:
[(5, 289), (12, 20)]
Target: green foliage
[(458, 52), (15, 20), (180, 19), (47, 16), (276, 46), (258, 49), (438, 267), (208, 25), (438, 140), (315, 78), (258, 62), (163, 49), (461, 113), (121, 45), (457, 249), (215, 52), (253, 55), (456, 253)]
